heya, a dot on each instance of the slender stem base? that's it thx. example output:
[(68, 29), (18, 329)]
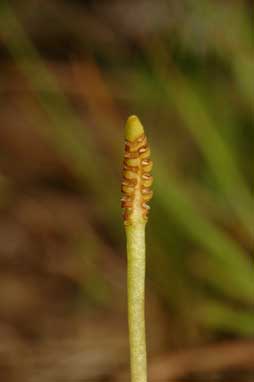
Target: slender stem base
[(136, 295)]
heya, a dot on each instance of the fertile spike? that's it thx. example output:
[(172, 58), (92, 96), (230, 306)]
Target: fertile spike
[(136, 172)]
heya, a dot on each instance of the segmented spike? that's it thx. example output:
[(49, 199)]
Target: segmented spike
[(137, 179)]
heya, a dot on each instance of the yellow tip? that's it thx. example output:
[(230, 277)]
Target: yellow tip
[(133, 128)]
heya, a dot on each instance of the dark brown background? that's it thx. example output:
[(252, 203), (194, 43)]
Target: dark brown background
[(70, 74)]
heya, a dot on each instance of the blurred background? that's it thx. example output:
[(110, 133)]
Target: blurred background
[(71, 72)]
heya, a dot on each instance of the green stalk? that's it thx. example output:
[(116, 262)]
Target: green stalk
[(136, 189), (135, 236)]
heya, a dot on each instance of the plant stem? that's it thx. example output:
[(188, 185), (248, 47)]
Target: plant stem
[(135, 235), (136, 184)]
